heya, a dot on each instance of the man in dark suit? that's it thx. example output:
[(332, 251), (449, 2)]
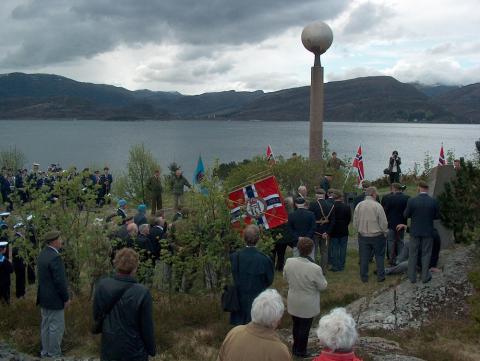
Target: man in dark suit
[(52, 295), (339, 232), (326, 182), (323, 209), (252, 273), (301, 223), (423, 210), (394, 205)]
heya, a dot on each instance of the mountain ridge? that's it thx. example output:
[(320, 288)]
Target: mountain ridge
[(365, 99)]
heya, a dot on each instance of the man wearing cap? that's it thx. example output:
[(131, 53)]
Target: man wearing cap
[(394, 205), (301, 223), (339, 232), (371, 223), (423, 210), (326, 182), (52, 295), (323, 209), (155, 189)]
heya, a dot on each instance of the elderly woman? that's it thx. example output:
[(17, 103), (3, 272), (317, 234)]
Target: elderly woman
[(337, 334), (258, 340), (305, 281)]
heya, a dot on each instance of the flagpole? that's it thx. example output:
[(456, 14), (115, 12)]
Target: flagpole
[(346, 178)]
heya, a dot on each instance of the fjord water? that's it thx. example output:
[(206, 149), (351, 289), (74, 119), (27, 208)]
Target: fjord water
[(98, 143)]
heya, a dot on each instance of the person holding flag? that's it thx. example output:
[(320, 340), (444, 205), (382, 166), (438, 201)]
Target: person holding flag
[(270, 156), (441, 159), (358, 163)]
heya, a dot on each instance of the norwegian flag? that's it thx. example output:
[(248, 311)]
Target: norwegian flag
[(260, 203), (441, 159), (358, 163), (270, 157)]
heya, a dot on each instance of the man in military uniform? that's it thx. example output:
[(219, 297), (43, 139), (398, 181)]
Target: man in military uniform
[(334, 162), (155, 189), (178, 184)]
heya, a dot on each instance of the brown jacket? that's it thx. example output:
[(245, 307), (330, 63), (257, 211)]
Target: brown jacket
[(253, 342)]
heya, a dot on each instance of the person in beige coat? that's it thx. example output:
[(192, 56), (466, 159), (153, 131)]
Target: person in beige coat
[(305, 281), (258, 339)]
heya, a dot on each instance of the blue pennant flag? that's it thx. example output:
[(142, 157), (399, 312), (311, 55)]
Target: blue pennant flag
[(199, 172)]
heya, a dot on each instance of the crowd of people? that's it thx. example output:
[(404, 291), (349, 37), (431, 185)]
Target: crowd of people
[(317, 232)]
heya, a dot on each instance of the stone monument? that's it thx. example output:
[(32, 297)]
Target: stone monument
[(317, 38)]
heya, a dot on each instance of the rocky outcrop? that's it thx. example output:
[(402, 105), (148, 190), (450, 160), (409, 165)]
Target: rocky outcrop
[(409, 305)]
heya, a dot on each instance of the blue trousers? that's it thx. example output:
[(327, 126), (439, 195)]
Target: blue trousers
[(339, 252)]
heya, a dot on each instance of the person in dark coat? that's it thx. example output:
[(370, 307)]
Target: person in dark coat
[(158, 231), (423, 210), (127, 328), (155, 189), (106, 180), (394, 167), (6, 270), (394, 205), (323, 208), (339, 232), (140, 217), (301, 223), (252, 273), (52, 295), (325, 184)]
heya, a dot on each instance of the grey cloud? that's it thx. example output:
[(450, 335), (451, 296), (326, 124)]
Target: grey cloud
[(49, 31), (366, 17)]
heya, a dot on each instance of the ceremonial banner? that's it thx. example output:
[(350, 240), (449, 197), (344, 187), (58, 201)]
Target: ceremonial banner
[(441, 159), (260, 203), (270, 157), (199, 171), (358, 163)]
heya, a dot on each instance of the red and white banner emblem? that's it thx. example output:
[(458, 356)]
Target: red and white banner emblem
[(260, 203)]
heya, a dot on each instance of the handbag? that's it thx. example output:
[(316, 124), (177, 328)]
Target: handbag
[(97, 326), (386, 171), (230, 301)]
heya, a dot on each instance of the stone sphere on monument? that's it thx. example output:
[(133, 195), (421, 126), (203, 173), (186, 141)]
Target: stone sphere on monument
[(317, 37)]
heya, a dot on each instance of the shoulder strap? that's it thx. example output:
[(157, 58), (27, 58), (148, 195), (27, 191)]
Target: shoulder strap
[(321, 208), (115, 300)]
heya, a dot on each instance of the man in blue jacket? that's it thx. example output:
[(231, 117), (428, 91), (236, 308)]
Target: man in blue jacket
[(422, 210), (252, 273), (52, 295)]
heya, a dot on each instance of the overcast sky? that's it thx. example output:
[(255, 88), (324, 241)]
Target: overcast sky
[(196, 46)]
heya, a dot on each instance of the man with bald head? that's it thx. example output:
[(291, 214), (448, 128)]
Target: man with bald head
[(252, 273)]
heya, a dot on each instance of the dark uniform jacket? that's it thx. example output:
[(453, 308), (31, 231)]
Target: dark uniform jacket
[(394, 205), (422, 209), (343, 216), (252, 273), (52, 283), (328, 208), (301, 223), (128, 331)]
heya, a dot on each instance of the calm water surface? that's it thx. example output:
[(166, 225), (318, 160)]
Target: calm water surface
[(99, 143)]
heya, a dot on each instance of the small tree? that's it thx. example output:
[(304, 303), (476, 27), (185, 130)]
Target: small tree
[(141, 165), (459, 204), (12, 158)]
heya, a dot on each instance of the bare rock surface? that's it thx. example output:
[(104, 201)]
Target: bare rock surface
[(409, 305)]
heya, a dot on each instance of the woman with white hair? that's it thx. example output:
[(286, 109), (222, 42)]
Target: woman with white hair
[(337, 334), (258, 339)]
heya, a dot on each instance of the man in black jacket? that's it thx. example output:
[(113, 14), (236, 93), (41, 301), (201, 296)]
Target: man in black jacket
[(126, 309), (394, 205), (423, 210), (323, 209), (52, 295), (301, 223), (339, 232)]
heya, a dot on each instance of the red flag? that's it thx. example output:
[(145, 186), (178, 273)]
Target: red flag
[(358, 163), (260, 203), (270, 157), (441, 159)]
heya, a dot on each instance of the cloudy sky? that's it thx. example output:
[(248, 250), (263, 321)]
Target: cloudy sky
[(196, 46)]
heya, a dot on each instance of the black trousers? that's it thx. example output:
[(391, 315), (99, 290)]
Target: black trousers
[(20, 273), (301, 329), (279, 254)]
